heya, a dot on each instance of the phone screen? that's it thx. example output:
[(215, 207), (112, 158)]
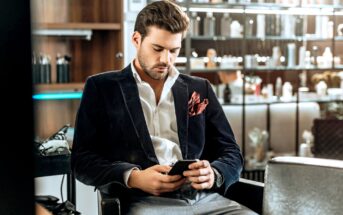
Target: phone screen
[(180, 166)]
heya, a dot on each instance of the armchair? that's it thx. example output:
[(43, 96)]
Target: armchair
[(246, 192), (293, 185), (298, 185)]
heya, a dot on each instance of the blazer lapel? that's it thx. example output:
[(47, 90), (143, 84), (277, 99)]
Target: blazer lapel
[(180, 93), (133, 105)]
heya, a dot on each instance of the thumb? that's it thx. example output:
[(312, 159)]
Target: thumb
[(161, 168)]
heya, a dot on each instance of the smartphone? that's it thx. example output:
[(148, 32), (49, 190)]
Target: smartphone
[(180, 166)]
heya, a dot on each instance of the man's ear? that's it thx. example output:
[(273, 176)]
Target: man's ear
[(136, 39)]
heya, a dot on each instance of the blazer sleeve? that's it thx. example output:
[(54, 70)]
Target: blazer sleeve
[(221, 147), (88, 162)]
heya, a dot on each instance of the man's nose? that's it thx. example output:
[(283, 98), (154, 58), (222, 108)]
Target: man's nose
[(165, 57)]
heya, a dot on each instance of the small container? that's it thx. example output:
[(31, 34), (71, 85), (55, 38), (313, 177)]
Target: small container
[(291, 54), (195, 24), (209, 25), (45, 69), (287, 91), (261, 26), (249, 27), (63, 69), (225, 23), (227, 94), (278, 87), (236, 29), (35, 69)]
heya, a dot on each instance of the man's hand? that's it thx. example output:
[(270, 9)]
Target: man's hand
[(200, 175), (154, 180)]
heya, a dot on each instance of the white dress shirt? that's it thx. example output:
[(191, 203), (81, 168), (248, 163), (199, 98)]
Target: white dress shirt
[(160, 119)]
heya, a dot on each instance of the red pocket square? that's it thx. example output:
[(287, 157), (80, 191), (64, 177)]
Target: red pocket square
[(196, 107)]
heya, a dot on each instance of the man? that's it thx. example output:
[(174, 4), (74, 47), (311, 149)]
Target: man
[(133, 124)]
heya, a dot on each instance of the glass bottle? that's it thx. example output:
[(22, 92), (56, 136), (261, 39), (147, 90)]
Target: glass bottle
[(225, 23), (195, 24), (209, 25), (45, 69), (227, 94)]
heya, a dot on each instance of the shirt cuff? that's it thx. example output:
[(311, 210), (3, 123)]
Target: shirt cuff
[(127, 175)]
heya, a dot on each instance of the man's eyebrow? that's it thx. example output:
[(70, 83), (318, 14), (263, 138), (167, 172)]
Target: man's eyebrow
[(158, 46)]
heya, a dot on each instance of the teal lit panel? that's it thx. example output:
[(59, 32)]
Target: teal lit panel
[(57, 96)]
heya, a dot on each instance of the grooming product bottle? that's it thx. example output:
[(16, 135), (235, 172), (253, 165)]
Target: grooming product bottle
[(35, 69), (227, 94), (45, 69), (261, 26), (302, 56), (278, 87), (291, 55), (225, 23), (63, 69), (209, 25), (287, 91), (249, 27), (195, 24)]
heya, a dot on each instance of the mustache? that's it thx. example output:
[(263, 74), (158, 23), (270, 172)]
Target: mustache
[(161, 65)]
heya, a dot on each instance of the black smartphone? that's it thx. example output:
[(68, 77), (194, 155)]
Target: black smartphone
[(180, 166)]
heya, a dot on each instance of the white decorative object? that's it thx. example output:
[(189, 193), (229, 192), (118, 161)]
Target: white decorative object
[(287, 91), (321, 88), (305, 148), (236, 29), (261, 26)]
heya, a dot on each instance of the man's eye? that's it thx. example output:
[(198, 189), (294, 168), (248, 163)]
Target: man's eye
[(158, 50)]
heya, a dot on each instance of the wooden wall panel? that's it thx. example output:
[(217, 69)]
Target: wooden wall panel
[(50, 10), (96, 56), (51, 115)]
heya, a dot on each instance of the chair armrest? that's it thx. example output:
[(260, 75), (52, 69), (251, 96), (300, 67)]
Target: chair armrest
[(108, 204), (248, 193)]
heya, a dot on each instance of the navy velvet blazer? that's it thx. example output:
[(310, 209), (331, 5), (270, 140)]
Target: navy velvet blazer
[(111, 135)]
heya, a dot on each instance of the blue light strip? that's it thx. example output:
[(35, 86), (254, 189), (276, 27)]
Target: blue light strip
[(57, 96)]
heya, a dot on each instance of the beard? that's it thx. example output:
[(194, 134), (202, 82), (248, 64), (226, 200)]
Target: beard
[(150, 71)]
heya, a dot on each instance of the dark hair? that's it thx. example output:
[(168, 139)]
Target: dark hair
[(163, 14)]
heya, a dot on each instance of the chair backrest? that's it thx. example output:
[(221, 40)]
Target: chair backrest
[(296, 185)]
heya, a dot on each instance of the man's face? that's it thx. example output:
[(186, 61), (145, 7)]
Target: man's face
[(157, 52)]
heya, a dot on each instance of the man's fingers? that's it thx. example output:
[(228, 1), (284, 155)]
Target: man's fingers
[(197, 172), (161, 168), (201, 186), (167, 187), (170, 178), (199, 179), (199, 164)]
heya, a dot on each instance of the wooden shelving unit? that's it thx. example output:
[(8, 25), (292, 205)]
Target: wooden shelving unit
[(69, 87), (103, 19), (80, 25)]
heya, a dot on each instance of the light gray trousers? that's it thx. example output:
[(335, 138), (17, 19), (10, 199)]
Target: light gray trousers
[(203, 203)]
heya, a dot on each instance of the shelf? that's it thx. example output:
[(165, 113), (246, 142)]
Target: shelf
[(261, 101), (67, 87), (80, 25), (339, 38), (58, 91), (264, 8), (261, 5), (339, 67), (285, 68), (279, 38), (216, 69), (262, 68)]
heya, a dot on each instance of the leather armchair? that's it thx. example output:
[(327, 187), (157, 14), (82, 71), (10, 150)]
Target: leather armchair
[(246, 192), (293, 185), (298, 185)]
